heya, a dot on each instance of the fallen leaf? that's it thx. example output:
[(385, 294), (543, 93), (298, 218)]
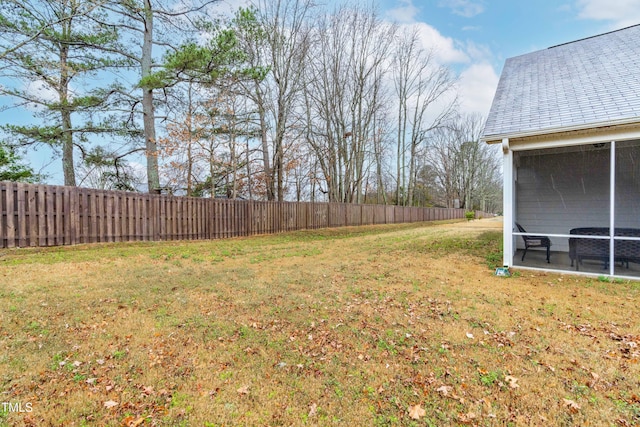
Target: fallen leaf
[(444, 390), (416, 412), (467, 418), (313, 410), (573, 406), (551, 368), (458, 398), (132, 422), (512, 381), (594, 381), (110, 404), (243, 390), (469, 335)]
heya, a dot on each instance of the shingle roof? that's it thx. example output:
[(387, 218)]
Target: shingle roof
[(589, 81)]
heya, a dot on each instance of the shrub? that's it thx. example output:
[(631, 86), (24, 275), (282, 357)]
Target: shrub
[(470, 215)]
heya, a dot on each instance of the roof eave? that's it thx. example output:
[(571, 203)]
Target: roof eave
[(494, 139)]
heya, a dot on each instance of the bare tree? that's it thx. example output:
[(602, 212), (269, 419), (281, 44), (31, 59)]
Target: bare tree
[(461, 167), (382, 146), (344, 96), (280, 42), (421, 87), (186, 124), (108, 171)]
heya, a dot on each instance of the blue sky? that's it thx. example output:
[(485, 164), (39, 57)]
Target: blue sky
[(475, 37)]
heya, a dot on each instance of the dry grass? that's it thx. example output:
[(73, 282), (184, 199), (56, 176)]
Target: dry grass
[(332, 327)]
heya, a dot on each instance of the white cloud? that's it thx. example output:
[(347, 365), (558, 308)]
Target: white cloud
[(476, 87), (478, 52), (39, 90), (404, 14), (445, 49), (466, 8), (621, 13), (227, 7), (477, 79)]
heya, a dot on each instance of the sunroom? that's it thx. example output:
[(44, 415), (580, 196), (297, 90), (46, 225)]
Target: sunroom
[(568, 120)]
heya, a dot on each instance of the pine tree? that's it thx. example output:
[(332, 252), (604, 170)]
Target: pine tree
[(55, 50), (12, 168)]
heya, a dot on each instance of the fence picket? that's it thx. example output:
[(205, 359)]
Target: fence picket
[(33, 215), (3, 199), (10, 209), (22, 220), (42, 216)]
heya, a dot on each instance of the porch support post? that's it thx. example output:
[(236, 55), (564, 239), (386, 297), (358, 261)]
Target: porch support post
[(508, 205), (612, 208)]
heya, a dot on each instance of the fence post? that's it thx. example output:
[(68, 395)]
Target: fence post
[(2, 214), (11, 226)]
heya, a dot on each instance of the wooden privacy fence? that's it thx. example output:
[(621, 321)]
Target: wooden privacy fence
[(45, 215)]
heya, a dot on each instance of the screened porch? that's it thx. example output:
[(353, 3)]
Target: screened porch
[(583, 202)]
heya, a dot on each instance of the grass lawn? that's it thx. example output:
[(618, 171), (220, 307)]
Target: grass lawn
[(381, 325)]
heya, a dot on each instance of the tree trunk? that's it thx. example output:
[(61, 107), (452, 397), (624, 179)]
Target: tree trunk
[(189, 144), (67, 132), (234, 162), (67, 150), (412, 169), (153, 177), (249, 182), (265, 152), (377, 148)]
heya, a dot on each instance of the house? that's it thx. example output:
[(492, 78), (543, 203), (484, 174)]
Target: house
[(568, 121)]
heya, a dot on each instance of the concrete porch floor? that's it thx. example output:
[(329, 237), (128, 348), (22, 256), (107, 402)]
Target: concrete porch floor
[(560, 261)]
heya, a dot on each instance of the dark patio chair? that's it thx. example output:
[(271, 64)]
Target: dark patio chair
[(531, 241)]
